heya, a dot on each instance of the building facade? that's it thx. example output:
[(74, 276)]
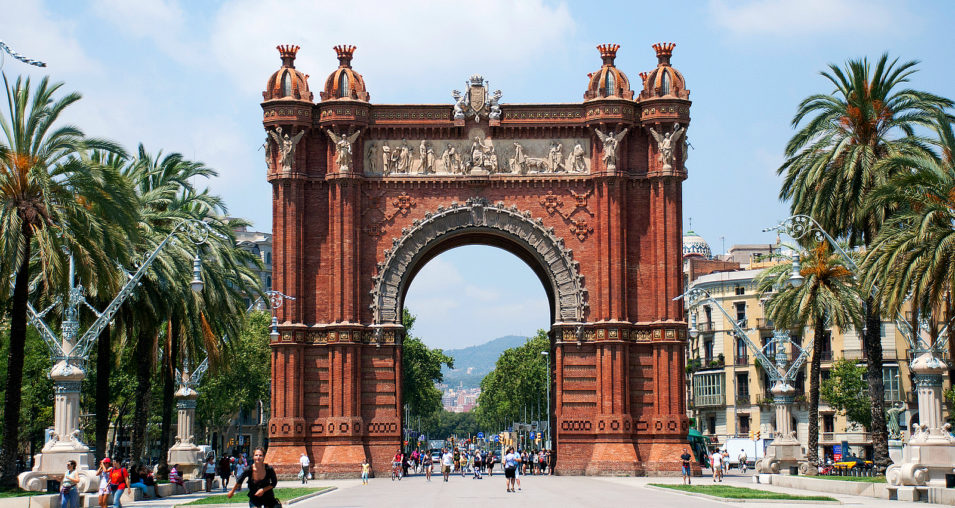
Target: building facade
[(730, 394)]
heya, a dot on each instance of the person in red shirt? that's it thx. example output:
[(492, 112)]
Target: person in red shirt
[(118, 480)]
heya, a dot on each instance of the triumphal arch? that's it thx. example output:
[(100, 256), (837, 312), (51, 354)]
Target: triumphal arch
[(587, 193)]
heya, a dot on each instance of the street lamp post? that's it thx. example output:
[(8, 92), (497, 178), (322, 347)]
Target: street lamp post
[(547, 370), (184, 452), (70, 352), (930, 452)]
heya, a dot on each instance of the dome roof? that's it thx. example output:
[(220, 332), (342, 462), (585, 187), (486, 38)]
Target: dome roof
[(287, 83), (345, 83), (664, 81), (695, 245), (609, 81)]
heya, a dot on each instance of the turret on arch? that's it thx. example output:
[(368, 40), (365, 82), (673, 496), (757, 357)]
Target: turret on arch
[(588, 194)]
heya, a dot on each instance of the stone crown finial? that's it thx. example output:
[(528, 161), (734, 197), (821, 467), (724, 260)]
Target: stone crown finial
[(664, 51), (345, 54), (608, 52), (287, 52), (643, 76)]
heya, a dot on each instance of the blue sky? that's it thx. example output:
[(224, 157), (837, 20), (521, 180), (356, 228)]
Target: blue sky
[(187, 77)]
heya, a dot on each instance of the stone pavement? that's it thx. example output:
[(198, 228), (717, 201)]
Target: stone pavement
[(547, 491)]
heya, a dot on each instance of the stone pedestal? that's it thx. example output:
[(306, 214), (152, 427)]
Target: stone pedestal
[(895, 450), (185, 454), (930, 452), (785, 451), (65, 444)]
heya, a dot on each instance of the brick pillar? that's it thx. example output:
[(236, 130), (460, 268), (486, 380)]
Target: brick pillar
[(286, 425)]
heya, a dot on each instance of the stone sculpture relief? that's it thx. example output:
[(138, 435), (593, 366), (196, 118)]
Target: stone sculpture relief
[(474, 102), (286, 146), (478, 155), (343, 150), (611, 143), (666, 143)]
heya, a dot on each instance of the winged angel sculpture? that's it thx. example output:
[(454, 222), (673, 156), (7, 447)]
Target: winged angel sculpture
[(343, 149), (665, 144), (611, 143), (286, 145)]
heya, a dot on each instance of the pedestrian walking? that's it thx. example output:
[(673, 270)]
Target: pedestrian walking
[(742, 461), (103, 473), (365, 469), (262, 482), (447, 460), (304, 462), (118, 480), (69, 496), (225, 471), (490, 463), (209, 472), (511, 461), (477, 465), (427, 463), (716, 463), (685, 461)]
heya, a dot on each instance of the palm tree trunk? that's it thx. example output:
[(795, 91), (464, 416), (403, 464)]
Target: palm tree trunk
[(168, 389), (872, 342), (14, 381), (103, 364), (143, 358), (818, 332)]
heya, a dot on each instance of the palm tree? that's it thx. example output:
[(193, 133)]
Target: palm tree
[(836, 160), (47, 188), (913, 257), (828, 297)]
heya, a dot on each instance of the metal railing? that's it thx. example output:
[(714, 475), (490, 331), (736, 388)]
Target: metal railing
[(741, 360), (743, 399), (716, 399)]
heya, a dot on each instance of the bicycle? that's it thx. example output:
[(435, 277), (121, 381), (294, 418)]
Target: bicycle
[(395, 471)]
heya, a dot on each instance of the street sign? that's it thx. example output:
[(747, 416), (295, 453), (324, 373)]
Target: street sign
[(836, 453), (531, 436), (480, 435), (497, 438), (422, 438)]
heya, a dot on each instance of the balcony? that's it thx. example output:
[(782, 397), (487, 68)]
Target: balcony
[(829, 438), (710, 400), (741, 360), (705, 327), (826, 356), (743, 399), (765, 324)]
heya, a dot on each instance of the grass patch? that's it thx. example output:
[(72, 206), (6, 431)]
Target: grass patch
[(242, 498), (18, 492), (864, 479), (729, 492)]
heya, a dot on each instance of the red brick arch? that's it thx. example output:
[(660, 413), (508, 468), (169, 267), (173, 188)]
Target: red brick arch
[(353, 222)]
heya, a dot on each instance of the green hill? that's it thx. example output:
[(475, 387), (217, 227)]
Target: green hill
[(480, 359)]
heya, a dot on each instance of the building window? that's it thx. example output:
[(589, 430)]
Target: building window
[(824, 344), (708, 350), (769, 347), (665, 83), (709, 313), (742, 355), (343, 84), (711, 425), (743, 424), (742, 387), (828, 423), (268, 258), (708, 389), (740, 313), (610, 85), (286, 85), (890, 378), (740, 290), (268, 282)]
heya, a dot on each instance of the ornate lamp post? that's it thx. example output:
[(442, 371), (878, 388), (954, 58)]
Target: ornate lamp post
[(184, 452), (70, 353), (930, 452)]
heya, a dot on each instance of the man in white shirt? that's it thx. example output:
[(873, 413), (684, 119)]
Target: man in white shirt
[(716, 463), (447, 460), (303, 460)]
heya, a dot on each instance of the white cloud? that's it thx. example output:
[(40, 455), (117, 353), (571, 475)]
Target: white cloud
[(161, 21), (790, 18), (403, 45), (482, 294)]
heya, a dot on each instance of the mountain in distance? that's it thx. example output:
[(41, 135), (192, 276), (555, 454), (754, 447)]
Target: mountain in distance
[(478, 359)]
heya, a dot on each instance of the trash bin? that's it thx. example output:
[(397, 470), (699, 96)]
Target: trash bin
[(950, 480), (793, 470), (53, 486)]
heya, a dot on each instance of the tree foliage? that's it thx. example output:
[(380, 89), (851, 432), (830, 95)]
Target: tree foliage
[(420, 370), (846, 391), (517, 384)]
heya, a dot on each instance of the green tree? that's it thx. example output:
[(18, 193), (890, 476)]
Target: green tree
[(517, 383), (420, 370), (828, 297), (242, 381), (846, 392), (836, 160), (47, 182), (913, 257)]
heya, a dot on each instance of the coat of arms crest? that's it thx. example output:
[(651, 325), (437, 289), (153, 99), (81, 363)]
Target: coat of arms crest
[(475, 101)]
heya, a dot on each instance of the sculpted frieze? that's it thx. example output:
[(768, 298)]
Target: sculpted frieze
[(476, 155)]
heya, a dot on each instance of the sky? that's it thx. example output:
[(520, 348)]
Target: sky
[(187, 77)]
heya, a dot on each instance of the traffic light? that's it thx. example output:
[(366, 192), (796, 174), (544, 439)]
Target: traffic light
[(757, 434)]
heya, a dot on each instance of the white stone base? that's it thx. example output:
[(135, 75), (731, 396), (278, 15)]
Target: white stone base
[(51, 464), (780, 457), (188, 460), (923, 464)]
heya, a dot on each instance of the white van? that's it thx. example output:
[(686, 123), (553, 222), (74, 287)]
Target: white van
[(754, 448)]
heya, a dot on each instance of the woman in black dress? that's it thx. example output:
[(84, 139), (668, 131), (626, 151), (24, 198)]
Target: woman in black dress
[(262, 482)]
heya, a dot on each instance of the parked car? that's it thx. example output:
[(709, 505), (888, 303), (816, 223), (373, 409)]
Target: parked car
[(850, 462)]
